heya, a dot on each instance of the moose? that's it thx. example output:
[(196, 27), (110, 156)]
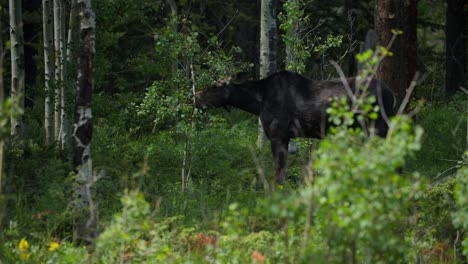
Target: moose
[(290, 105)]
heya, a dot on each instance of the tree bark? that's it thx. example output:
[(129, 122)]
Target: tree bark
[(71, 29), (455, 43), (17, 63), (398, 70), (49, 70), (63, 79), (268, 47), (83, 126), (268, 38), (58, 69)]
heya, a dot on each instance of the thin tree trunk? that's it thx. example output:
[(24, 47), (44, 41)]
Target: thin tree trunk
[(83, 126), (185, 169), (17, 63), (63, 78), (68, 67), (58, 69), (71, 29), (268, 38), (456, 50), (398, 70), (268, 44), (49, 70)]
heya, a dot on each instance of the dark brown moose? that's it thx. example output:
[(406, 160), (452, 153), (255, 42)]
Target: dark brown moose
[(290, 105)]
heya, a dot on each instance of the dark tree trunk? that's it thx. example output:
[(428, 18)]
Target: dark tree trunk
[(397, 71), (83, 125), (456, 51)]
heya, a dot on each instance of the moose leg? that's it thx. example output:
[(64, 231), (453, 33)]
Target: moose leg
[(279, 148)]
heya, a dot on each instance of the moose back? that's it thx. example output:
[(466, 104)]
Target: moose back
[(290, 105)]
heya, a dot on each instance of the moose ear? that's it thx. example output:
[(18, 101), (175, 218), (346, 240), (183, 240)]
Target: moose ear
[(241, 77)]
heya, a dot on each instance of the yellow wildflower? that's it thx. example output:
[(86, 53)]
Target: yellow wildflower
[(25, 255), (280, 187), (23, 245), (53, 246)]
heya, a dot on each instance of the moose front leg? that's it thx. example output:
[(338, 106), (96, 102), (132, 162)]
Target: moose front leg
[(279, 148)]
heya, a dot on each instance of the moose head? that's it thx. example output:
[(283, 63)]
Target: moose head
[(220, 94)]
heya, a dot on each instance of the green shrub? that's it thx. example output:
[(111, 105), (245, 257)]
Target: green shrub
[(460, 217)]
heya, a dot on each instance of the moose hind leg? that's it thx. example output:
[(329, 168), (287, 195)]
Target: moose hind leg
[(279, 148)]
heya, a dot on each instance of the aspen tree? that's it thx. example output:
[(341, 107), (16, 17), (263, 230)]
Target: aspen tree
[(48, 70), (17, 63), (83, 124)]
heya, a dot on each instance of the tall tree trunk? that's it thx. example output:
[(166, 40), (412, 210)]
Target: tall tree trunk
[(49, 70), (268, 44), (397, 71), (83, 126), (63, 79), (455, 43), (268, 38), (58, 69), (67, 67), (17, 63), (71, 29)]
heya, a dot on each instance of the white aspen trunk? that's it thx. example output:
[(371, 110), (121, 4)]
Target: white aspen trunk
[(17, 63), (63, 78), (71, 27), (268, 42), (83, 126), (268, 38), (58, 70), (49, 70)]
